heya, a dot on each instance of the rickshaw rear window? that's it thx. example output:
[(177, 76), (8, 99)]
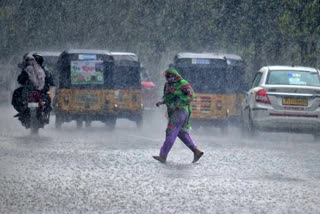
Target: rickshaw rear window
[(50, 60), (87, 56), (89, 72)]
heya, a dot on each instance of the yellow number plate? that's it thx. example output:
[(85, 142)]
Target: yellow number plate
[(294, 102)]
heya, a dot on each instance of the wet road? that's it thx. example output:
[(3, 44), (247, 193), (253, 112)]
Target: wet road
[(97, 171)]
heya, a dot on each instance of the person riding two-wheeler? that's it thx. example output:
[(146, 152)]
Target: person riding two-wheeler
[(34, 76)]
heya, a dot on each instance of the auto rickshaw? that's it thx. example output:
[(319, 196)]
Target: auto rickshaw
[(85, 90), (236, 85), (216, 83), (127, 86)]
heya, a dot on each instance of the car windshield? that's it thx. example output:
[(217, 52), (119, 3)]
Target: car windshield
[(289, 77)]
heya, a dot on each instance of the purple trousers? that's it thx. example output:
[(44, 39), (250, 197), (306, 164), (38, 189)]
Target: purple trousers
[(176, 128)]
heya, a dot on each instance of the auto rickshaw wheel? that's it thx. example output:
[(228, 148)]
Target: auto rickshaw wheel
[(79, 124), (225, 128), (58, 122), (139, 123), (88, 123), (111, 123), (248, 129)]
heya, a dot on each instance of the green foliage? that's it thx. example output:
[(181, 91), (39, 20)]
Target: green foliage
[(300, 21)]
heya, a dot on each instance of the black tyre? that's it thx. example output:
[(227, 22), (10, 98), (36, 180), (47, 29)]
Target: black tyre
[(88, 123), (111, 123), (248, 130), (79, 124), (251, 128), (34, 131), (34, 122), (225, 128), (139, 123)]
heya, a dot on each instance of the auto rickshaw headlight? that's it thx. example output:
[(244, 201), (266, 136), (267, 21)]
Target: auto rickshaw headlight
[(66, 99), (107, 101)]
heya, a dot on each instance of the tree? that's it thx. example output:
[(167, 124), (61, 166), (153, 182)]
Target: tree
[(301, 23)]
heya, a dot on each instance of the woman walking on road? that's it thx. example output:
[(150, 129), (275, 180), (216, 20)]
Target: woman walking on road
[(178, 95)]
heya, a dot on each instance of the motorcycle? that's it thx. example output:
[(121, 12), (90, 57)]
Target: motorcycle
[(37, 111)]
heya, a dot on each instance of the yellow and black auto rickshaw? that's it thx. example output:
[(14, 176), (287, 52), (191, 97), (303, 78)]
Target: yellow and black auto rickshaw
[(218, 80), (127, 86), (237, 85), (85, 90)]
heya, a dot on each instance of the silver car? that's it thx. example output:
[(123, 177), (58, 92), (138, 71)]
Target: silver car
[(285, 99)]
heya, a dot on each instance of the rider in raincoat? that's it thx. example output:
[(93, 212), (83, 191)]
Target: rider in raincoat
[(33, 76), (178, 95)]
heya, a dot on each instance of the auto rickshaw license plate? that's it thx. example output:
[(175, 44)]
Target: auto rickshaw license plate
[(295, 101)]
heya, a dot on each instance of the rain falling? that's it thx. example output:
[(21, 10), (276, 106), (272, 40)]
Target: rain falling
[(182, 106)]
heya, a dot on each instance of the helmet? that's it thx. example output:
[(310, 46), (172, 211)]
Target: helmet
[(27, 58), (38, 58)]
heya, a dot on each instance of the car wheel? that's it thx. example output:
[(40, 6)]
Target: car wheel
[(251, 128), (244, 129), (248, 129)]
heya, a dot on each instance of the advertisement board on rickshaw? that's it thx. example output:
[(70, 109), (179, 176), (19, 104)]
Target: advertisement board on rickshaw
[(127, 86), (85, 91), (218, 84)]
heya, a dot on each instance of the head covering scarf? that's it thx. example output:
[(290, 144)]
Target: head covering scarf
[(172, 75), (35, 73)]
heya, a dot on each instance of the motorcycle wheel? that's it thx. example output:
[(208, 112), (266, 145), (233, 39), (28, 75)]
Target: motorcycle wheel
[(34, 122)]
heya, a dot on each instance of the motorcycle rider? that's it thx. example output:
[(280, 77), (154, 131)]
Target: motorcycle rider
[(34, 76)]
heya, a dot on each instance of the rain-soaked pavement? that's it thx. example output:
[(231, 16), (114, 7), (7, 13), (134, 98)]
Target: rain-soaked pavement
[(93, 170)]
